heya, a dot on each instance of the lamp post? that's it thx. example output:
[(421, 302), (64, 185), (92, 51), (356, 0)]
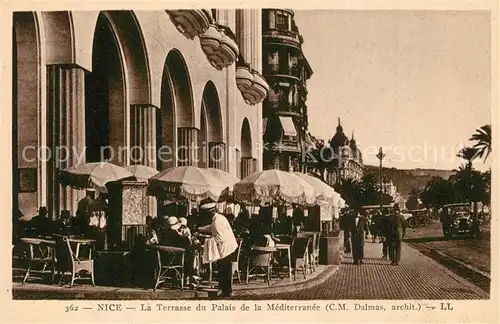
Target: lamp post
[(380, 156)]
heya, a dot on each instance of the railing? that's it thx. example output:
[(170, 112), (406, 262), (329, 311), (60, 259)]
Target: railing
[(283, 32), (284, 70)]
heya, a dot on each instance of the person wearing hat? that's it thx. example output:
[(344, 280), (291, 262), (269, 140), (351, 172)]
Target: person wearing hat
[(84, 210), (397, 234), (172, 236), (40, 223), (184, 229), (226, 245), (358, 227)]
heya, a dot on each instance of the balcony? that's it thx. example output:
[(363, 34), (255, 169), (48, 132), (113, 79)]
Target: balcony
[(257, 91), (282, 37), (275, 70), (219, 45), (244, 77), (191, 23), (285, 145)]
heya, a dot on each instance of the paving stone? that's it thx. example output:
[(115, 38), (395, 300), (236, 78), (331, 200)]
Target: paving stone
[(417, 277)]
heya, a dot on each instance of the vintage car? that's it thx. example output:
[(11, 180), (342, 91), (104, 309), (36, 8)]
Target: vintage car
[(457, 220), (419, 217)]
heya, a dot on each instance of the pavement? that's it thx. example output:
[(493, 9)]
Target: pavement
[(417, 277), (37, 287)]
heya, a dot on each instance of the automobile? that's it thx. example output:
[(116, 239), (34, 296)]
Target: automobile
[(419, 217), (458, 220)]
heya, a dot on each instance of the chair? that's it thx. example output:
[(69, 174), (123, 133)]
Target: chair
[(170, 259), (301, 252), (316, 251), (236, 264), (260, 257), (69, 259), (41, 254), (311, 253)]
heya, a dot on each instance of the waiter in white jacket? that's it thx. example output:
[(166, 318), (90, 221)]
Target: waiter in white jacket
[(225, 246)]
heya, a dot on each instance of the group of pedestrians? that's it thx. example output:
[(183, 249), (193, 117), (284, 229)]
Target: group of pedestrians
[(390, 227)]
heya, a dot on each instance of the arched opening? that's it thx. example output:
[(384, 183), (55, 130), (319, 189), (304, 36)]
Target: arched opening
[(117, 89), (214, 148), (26, 113), (246, 139), (105, 97), (248, 163), (176, 116)]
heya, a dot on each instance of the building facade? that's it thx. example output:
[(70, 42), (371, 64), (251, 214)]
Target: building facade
[(286, 70), (347, 160), (158, 88), (389, 188)]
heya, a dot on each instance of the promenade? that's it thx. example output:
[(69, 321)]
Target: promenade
[(417, 277)]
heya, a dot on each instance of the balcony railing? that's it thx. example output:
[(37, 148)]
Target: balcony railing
[(293, 71), (285, 145), (287, 35)]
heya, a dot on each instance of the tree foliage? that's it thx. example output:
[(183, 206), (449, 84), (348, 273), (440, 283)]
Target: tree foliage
[(482, 139)]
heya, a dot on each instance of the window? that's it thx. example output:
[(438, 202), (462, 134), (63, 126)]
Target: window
[(273, 61), (282, 21)]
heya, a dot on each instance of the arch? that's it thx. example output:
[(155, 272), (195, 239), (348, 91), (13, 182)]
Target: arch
[(177, 109), (106, 102), (136, 62), (211, 106), (182, 91), (246, 139), (27, 107)]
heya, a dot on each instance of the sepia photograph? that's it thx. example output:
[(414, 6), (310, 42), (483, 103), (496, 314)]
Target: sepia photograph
[(252, 154)]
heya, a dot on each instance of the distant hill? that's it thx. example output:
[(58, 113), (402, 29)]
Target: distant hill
[(406, 180)]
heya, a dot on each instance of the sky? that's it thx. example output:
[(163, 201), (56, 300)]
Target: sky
[(416, 83)]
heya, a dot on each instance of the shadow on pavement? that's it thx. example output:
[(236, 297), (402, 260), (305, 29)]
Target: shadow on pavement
[(431, 239)]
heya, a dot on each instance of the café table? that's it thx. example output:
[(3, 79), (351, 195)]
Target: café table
[(41, 251)]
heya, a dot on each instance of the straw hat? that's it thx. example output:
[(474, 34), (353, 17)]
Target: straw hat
[(173, 223), (208, 206), (183, 221)]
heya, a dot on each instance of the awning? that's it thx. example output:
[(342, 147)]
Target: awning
[(288, 126), (264, 126)]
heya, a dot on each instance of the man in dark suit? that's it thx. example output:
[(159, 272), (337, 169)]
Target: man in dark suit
[(398, 231), (358, 228)]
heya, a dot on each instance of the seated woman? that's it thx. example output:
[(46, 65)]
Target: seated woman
[(242, 223), (173, 237), (262, 231), (184, 229)]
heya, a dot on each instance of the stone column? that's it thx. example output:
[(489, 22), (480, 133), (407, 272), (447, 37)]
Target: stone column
[(143, 142), (187, 146), (217, 155), (66, 132), (248, 166), (143, 135)]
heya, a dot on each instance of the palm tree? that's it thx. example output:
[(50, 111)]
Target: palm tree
[(468, 154), (482, 137)]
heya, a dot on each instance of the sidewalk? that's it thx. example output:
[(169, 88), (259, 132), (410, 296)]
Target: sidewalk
[(417, 277), (36, 289)]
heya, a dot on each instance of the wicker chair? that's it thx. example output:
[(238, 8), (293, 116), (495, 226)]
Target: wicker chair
[(260, 257), (170, 259), (236, 264), (301, 252)]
